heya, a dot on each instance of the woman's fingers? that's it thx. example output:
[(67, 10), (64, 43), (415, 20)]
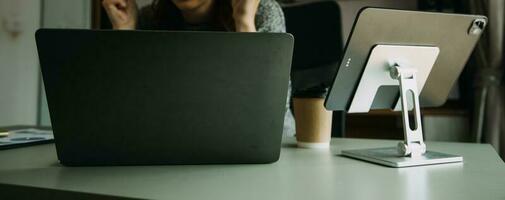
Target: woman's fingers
[(123, 4), (122, 13), (111, 7), (107, 3), (115, 14)]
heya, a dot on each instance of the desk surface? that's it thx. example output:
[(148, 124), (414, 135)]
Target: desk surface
[(299, 174)]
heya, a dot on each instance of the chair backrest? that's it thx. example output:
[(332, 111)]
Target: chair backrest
[(317, 30), (318, 48)]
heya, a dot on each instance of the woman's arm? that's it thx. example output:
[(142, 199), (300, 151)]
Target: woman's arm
[(122, 13), (244, 14)]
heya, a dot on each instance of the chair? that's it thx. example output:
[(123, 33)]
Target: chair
[(316, 27)]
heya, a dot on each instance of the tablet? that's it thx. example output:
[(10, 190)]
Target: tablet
[(454, 35)]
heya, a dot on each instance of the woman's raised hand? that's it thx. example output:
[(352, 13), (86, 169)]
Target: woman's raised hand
[(244, 12), (122, 13)]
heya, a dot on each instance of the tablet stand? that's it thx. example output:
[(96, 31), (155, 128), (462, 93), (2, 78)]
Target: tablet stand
[(412, 151)]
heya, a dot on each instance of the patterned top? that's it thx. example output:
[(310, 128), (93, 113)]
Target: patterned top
[(269, 18)]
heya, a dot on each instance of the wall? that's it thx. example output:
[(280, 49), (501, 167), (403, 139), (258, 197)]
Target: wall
[(18, 61)]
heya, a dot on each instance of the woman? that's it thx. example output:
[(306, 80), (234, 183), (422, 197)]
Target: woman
[(201, 15), (223, 15)]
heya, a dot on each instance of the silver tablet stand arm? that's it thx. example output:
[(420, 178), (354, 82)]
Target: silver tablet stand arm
[(413, 144)]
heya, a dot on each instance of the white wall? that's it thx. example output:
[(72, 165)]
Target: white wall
[(18, 62), (20, 81), (66, 14)]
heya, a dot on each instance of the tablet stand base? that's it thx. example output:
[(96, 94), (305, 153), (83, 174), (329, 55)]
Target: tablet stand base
[(389, 156)]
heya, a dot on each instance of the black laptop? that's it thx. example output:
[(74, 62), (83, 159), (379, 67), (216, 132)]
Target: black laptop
[(157, 97)]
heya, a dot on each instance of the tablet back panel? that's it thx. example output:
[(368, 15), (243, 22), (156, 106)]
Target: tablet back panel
[(378, 26)]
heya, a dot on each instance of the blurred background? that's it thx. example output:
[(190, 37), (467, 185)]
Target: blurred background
[(473, 113)]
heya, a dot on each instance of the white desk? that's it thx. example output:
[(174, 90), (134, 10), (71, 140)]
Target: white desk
[(299, 174)]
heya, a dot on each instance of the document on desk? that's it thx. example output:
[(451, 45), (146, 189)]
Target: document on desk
[(4, 133), (26, 137)]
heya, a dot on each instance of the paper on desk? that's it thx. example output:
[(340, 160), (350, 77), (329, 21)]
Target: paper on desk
[(26, 136)]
